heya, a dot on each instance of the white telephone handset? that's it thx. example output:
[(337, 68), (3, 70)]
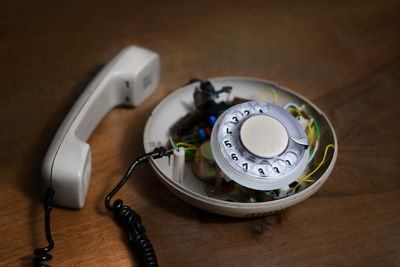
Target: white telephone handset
[(128, 79)]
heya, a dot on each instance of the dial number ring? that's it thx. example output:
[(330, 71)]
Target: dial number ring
[(241, 159)]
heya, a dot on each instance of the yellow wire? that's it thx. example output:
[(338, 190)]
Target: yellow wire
[(297, 111), (187, 146), (310, 126), (310, 133), (274, 93), (305, 179), (311, 129)]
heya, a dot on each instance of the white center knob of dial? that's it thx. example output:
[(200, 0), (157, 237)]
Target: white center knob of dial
[(263, 136)]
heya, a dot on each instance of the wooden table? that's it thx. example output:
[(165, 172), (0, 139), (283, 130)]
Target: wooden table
[(345, 57)]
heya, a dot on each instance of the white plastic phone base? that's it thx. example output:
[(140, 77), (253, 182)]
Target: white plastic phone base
[(193, 190), (128, 79)]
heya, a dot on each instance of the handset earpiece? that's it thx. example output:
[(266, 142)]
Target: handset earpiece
[(128, 79)]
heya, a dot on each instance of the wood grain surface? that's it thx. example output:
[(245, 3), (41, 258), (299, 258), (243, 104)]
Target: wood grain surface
[(344, 56)]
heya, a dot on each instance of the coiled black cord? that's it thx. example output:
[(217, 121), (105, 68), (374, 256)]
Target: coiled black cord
[(125, 215), (132, 221), (42, 254)]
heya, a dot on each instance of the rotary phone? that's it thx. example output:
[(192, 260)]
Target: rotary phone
[(234, 146)]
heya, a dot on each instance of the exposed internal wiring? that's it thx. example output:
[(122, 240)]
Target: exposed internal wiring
[(310, 133), (186, 146), (312, 127), (296, 109), (305, 178), (263, 94), (316, 127), (292, 105), (193, 138)]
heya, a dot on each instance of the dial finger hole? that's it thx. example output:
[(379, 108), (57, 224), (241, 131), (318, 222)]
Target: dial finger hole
[(249, 164), (290, 158), (261, 108), (279, 166), (235, 156), (265, 168), (228, 128), (235, 117), (246, 165), (246, 111), (228, 143)]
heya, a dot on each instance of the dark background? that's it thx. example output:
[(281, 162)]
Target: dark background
[(342, 55)]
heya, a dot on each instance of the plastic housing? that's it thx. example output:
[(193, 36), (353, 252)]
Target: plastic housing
[(194, 191), (128, 79)]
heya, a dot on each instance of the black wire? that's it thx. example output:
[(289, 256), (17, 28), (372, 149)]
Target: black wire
[(42, 254), (125, 215), (132, 221)]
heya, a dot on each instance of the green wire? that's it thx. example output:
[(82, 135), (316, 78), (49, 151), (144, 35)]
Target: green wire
[(188, 153), (316, 128), (293, 107)]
